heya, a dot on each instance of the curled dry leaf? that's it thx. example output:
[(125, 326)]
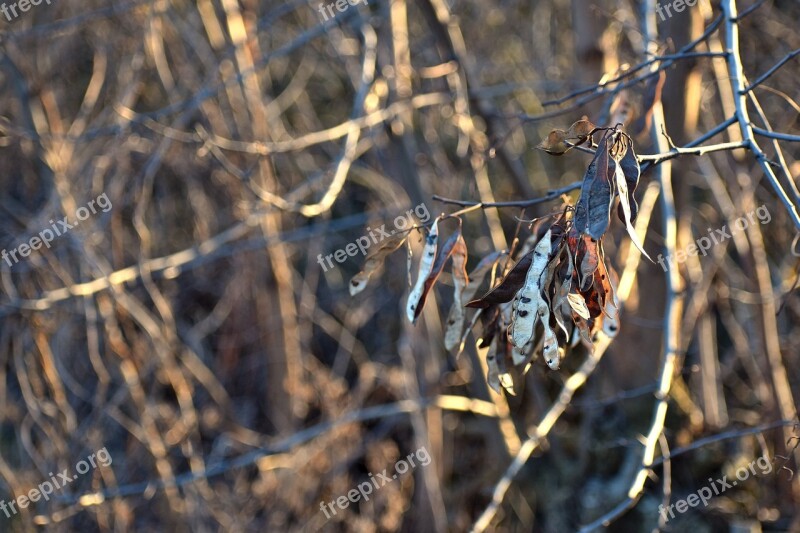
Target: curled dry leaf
[(580, 130), (374, 260), (425, 268), (555, 143)]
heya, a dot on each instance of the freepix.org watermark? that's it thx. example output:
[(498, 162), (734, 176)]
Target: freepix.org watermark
[(59, 228), (717, 236), (715, 488), (101, 458), (677, 5), (403, 222), (341, 7), (10, 9), (367, 487)]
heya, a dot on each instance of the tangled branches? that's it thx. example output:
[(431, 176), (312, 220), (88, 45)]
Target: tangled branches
[(189, 332)]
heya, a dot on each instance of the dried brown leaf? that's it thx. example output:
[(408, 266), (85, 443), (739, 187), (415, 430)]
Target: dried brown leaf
[(508, 287), (580, 130), (555, 143)]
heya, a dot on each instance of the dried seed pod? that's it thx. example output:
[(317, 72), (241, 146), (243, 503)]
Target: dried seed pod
[(624, 201), (593, 211), (508, 287), (529, 297), (578, 304), (492, 373), (455, 319), (374, 260), (632, 170), (551, 351), (438, 265), (425, 268)]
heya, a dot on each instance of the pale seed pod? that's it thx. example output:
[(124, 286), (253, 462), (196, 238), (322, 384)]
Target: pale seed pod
[(527, 309), (425, 268)]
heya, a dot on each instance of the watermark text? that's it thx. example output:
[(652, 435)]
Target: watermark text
[(374, 236), (59, 228), (101, 458), (366, 488), (716, 236)]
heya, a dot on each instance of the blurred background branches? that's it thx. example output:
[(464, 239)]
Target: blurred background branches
[(191, 331)]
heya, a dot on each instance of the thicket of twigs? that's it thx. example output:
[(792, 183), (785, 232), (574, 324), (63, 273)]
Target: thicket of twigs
[(192, 331)]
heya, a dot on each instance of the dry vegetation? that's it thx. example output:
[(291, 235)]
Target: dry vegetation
[(191, 331)]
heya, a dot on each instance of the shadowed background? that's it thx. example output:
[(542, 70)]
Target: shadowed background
[(191, 331)]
